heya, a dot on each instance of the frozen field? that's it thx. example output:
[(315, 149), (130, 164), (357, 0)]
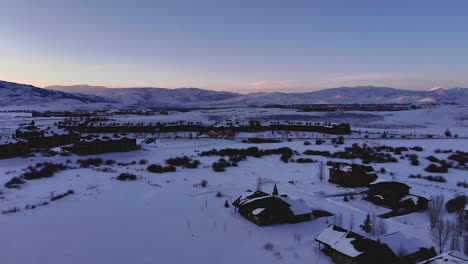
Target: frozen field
[(167, 218)]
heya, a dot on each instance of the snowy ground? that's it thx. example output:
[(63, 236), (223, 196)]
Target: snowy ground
[(109, 221)]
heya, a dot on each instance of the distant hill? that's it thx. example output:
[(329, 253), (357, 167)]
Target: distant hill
[(15, 94), (192, 97)]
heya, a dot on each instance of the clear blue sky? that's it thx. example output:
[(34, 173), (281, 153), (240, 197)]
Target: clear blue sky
[(235, 45)]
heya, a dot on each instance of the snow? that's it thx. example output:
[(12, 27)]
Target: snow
[(166, 218), (258, 211)]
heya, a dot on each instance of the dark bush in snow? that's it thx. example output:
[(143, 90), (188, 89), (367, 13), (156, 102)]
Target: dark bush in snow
[(456, 204), (429, 178), (143, 162), (14, 182), (307, 143), (415, 162), (436, 169), (260, 140), (155, 168), (90, 162), (204, 183), (60, 196), (432, 159), (463, 184), (417, 148), (184, 161), (220, 165), (43, 170), (126, 177), (301, 160), (319, 141), (109, 162)]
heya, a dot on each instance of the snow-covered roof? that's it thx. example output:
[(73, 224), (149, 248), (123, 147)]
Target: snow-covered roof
[(451, 257), (401, 244), (298, 206), (52, 131), (330, 236), (339, 240), (93, 137)]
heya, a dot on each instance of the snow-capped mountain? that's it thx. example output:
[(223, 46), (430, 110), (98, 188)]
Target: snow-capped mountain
[(14, 94), (153, 97), (190, 97)]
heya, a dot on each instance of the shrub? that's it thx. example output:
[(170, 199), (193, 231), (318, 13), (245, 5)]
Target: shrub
[(60, 196), (143, 162), (155, 168), (220, 165), (463, 184), (415, 162), (417, 148), (301, 160), (203, 183), (43, 170), (219, 194), (429, 178), (109, 162), (432, 159), (447, 133), (382, 170), (436, 169), (14, 182), (456, 204), (307, 143), (126, 177), (319, 141), (260, 140), (90, 162), (269, 246)]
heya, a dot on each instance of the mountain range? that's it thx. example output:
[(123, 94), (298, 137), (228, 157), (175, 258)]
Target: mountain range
[(14, 94)]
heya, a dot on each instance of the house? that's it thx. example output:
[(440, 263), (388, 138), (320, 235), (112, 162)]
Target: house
[(409, 250), (11, 147), (452, 257), (395, 195), (45, 138), (352, 175), (347, 247), (98, 144), (266, 209)]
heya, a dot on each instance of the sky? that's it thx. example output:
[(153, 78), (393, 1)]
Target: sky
[(241, 46)]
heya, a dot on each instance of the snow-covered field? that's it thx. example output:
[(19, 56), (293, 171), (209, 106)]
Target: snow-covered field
[(169, 218)]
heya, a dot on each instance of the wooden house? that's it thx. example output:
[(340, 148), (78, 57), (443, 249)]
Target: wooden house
[(266, 209), (395, 195), (98, 144), (45, 138), (347, 247), (352, 175), (11, 147)]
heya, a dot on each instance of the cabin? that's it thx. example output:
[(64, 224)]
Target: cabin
[(266, 209), (451, 257), (98, 144), (352, 175), (395, 195), (45, 138), (12, 147), (347, 247), (408, 250)]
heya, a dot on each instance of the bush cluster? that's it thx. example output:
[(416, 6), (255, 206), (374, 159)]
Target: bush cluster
[(90, 162), (260, 140), (60, 196), (285, 152), (126, 177), (456, 204), (43, 170), (184, 161), (155, 168), (429, 178), (436, 169)]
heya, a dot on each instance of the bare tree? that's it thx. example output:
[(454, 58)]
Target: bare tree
[(435, 210), (379, 227), (320, 172), (441, 234)]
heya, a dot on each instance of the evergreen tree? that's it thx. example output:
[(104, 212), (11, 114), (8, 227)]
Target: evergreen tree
[(226, 204), (275, 190), (346, 199), (367, 225)]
